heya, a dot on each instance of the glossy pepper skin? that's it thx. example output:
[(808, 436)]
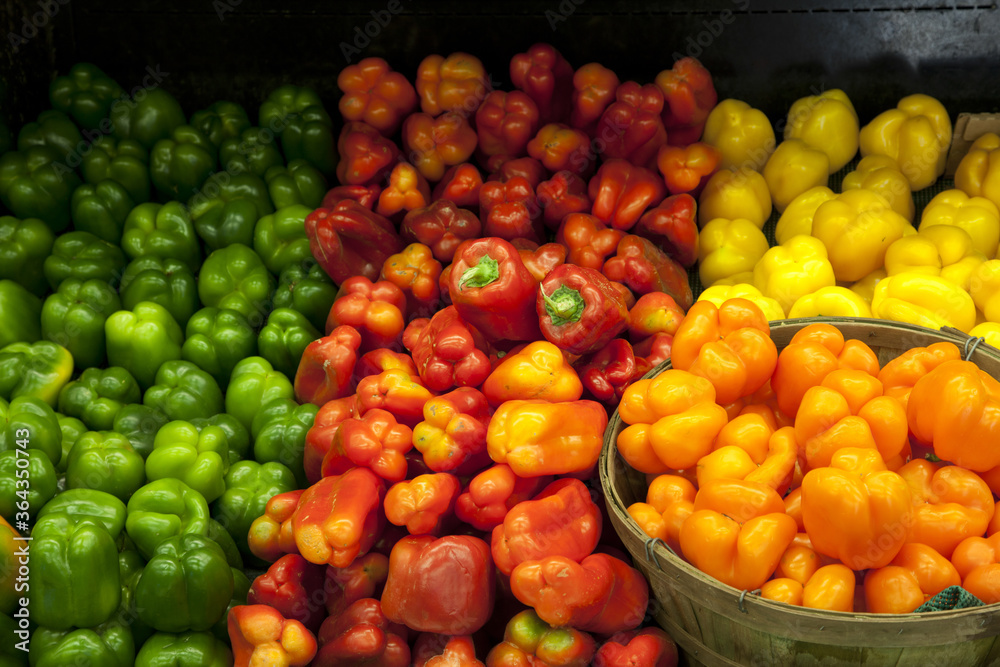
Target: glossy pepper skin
[(217, 339), (447, 351), (200, 459), (509, 210), (687, 169), (287, 586), (162, 509), (365, 155), (125, 162), (561, 195), (284, 338), (249, 486), (31, 186), (36, 370), (374, 441), (460, 184), (305, 287), (505, 122), (929, 301), (916, 574), (280, 239), (24, 245), (164, 230), (220, 121), (653, 313), (632, 124), (304, 124), (362, 635), (281, 436), (454, 83), (621, 192), (881, 174), (152, 116), (739, 192), (452, 575), (432, 650), (594, 89), (253, 384), (742, 134), (673, 226), (528, 640), (442, 226), (366, 195), (394, 390), (560, 147), (375, 309), (941, 250), (107, 644), (579, 310), (228, 206), (830, 302), (540, 260), (799, 266), (326, 370), (793, 168), (235, 277), (648, 646), (689, 95), (416, 272), (84, 256), (826, 122), (976, 174), (105, 461), (349, 240), (608, 371), (101, 209), (899, 375), (435, 143), (364, 578), (375, 94), (916, 134), (142, 339), (424, 505), (271, 535), (86, 93), (74, 317), (35, 416), (260, 634), (186, 649), (644, 268), (976, 215), (406, 190), (545, 75), (538, 371), (181, 163), (168, 282), (588, 240)]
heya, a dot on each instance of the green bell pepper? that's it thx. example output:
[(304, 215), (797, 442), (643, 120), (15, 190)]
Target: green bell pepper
[(186, 585), (98, 395), (55, 130), (255, 383), (140, 423), (130, 567), (274, 409), (125, 161), (222, 120), (218, 534), (34, 183), (82, 255), (162, 509), (166, 281), (89, 504), (200, 459), (22, 312), (24, 245), (107, 645), (71, 428), (105, 461), (254, 151), (284, 338), (163, 230), (285, 100), (39, 370), (34, 483), (34, 416), (227, 207), (190, 649), (101, 209), (298, 183), (241, 588), (283, 439), (180, 165), (235, 277), (151, 115), (142, 339), (184, 391), (85, 93), (305, 287), (74, 317), (308, 135), (217, 338), (249, 485), (237, 435), (74, 578), (280, 238)]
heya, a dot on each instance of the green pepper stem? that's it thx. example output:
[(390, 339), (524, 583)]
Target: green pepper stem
[(564, 305), (482, 274)]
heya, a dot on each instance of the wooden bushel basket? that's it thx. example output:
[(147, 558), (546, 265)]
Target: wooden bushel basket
[(717, 625)]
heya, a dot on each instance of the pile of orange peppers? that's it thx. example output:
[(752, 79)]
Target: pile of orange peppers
[(815, 476)]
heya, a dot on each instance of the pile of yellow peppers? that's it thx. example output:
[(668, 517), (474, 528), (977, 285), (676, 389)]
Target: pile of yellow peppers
[(857, 253)]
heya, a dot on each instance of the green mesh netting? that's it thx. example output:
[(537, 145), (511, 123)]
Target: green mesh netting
[(953, 597)]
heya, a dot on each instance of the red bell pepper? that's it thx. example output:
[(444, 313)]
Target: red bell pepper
[(366, 156), (631, 127), (540, 260), (528, 641), (339, 517), (366, 195), (494, 492), (600, 594), (375, 94), (651, 352), (452, 436), (589, 241), (271, 535), (444, 585), (503, 169), (364, 578), (644, 268), (686, 169), (447, 351), (650, 646), (443, 283), (456, 83), (394, 390), (594, 88), (579, 310), (563, 512), (493, 291), (416, 273), (622, 192), (460, 184), (561, 147), (561, 195), (547, 78), (407, 189), (384, 359), (653, 313), (260, 635), (689, 96), (442, 226), (673, 226), (289, 586), (349, 240), (434, 144), (505, 122), (433, 650), (372, 309), (362, 636), (374, 441), (319, 437), (326, 370), (510, 210), (425, 504), (608, 372)]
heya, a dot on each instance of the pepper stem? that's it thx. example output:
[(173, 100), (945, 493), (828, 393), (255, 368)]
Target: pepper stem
[(482, 274), (564, 305)]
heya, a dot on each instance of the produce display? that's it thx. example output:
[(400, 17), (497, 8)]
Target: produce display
[(314, 388)]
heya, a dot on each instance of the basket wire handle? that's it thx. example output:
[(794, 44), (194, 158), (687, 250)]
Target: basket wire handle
[(651, 555), (970, 346), (743, 594)]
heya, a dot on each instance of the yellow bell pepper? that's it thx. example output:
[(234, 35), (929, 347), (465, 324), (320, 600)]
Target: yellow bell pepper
[(865, 288), (793, 168), (744, 277), (929, 301), (727, 247), (978, 174), (940, 250), (735, 193), (742, 134), (798, 216), (830, 302), (976, 215), (719, 294), (984, 287), (988, 330), (881, 174), (795, 268), (857, 227), (826, 122), (917, 134)]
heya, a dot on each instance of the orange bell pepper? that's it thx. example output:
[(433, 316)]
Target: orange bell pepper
[(793, 508), (374, 441), (590, 242), (434, 144), (539, 371), (831, 587), (537, 437), (407, 190), (260, 635), (271, 535), (738, 499), (452, 436), (558, 147), (424, 504), (688, 169), (653, 313), (977, 561), (900, 374), (956, 408), (375, 94), (674, 421), (669, 501), (799, 563), (416, 273), (730, 345), (774, 469), (455, 83), (396, 391), (917, 573)]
